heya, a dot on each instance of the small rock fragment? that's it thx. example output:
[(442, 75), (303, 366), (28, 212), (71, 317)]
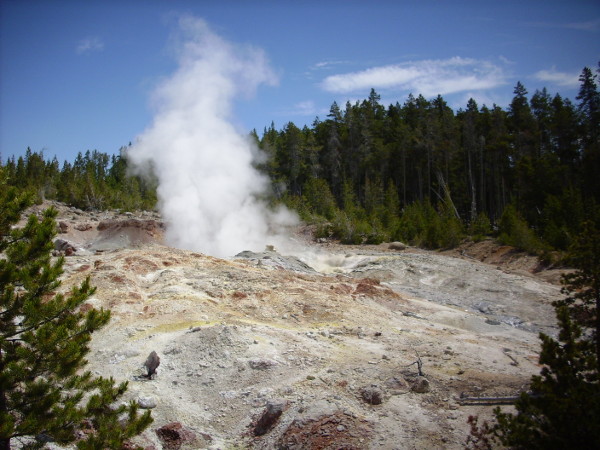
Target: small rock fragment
[(83, 227), (262, 363)]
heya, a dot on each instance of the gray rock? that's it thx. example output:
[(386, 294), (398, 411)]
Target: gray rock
[(146, 402), (372, 395), (421, 385), (151, 364), (269, 418), (276, 260), (262, 363), (63, 246), (483, 307), (492, 322), (397, 246)]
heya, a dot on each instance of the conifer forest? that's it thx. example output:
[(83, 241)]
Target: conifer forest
[(416, 171)]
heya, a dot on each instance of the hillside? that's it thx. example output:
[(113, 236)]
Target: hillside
[(327, 337)]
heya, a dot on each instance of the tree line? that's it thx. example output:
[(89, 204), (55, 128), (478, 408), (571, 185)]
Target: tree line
[(94, 180), (421, 172), (418, 171)]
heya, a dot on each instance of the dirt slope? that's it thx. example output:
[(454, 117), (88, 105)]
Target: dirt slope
[(332, 348)]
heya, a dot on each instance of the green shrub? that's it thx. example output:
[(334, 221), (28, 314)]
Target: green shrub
[(481, 227), (319, 198), (451, 233), (413, 222), (423, 226), (514, 231), (377, 232)]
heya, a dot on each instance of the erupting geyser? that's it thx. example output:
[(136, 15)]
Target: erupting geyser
[(209, 192)]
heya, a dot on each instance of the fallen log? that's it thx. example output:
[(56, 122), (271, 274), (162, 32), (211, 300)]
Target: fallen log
[(509, 400)]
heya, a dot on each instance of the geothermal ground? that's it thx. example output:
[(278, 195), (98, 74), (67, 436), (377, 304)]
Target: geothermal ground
[(324, 341)]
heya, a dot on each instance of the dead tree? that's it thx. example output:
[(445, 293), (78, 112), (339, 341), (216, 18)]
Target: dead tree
[(419, 364)]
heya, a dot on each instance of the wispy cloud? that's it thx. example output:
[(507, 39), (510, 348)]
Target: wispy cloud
[(89, 44), (568, 79), (327, 64), (305, 108), (589, 25), (505, 60), (427, 77), (592, 25), (318, 68), (482, 98)]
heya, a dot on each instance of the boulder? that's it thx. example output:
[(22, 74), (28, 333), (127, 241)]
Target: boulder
[(146, 402), (65, 247), (269, 418), (397, 246), (421, 385), (372, 395), (83, 227), (151, 364)]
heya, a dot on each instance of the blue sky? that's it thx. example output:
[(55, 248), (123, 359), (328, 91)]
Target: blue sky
[(79, 75)]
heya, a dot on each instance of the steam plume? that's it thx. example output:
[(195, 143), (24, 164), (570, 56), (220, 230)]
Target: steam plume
[(209, 192)]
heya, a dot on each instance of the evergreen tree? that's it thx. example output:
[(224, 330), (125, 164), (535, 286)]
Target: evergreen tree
[(589, 108), (583, 286), (44, 337), (522, 124), (589, 104), (565, 136), (542, 110)]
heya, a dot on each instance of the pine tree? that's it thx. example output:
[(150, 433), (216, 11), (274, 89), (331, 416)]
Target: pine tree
[(589, 104), (589, 109), (44, 336), (583, 286)]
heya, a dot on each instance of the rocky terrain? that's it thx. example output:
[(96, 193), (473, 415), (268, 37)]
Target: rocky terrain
[(319, 349)]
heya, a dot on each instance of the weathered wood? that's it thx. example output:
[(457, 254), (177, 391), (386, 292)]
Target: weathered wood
[(509, 400)]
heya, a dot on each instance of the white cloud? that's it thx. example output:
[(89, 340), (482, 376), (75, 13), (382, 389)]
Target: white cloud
[(558, 78), (427, 77), (482, 98), (328, 64), (90, 44), (505, 60), (590, 25), (305, 108)]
